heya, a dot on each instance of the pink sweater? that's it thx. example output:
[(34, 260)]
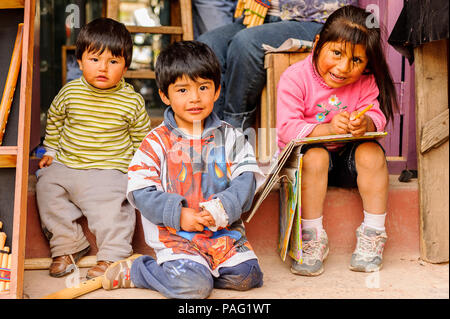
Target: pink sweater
[(304, 100)]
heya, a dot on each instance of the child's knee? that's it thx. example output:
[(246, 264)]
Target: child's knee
[(316, 159), (370, 156), (242, 277), (198, 287), (191, 280)]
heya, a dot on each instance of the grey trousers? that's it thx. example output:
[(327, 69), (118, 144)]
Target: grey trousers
[(65, 194)]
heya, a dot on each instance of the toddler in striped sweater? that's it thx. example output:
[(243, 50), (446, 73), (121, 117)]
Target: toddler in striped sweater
[(94, 126)]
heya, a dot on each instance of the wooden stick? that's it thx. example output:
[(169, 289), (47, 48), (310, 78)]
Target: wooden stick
[(2, 240), (253, 9), (44, 263), (11, 81), (254, 21), (84, 288), (259, 15), (251, 21), (9, 267), (264, 13), (4, 257), (4, 264), (247, 7), (73, 292), (239, 8)]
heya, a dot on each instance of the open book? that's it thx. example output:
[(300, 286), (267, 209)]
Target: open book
[(273, 175)]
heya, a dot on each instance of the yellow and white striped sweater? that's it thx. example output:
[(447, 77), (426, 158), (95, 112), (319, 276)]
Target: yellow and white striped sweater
[(92, 128)]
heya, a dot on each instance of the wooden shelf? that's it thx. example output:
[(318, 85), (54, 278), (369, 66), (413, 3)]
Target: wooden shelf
[(184, 31), (182, 14), (181, 17), (140, 74), (8, 156), (12, 4), (156, 30), (8, 150)]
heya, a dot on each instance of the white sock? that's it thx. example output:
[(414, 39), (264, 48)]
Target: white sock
[(313, 223), (375, 221)]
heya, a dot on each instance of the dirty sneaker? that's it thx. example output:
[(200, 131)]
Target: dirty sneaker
[(315, 250), (367, 256), (118, 274)]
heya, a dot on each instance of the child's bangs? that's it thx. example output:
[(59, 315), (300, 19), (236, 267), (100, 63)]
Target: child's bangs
[(192, 69), (351, 34), (99, 47), (348, 34)]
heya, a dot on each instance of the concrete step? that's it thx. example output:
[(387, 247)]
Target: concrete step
[(402, 277), (342, 215)]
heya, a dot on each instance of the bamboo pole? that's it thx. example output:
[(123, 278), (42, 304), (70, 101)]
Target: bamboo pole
[(4, 265), (11, 81), (44, 263), (239, 8)]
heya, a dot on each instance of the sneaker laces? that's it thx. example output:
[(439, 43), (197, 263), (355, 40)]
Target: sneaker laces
[(368, 245), (311, 248)]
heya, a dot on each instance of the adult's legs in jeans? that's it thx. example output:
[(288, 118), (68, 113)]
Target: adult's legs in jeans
[(218, 40), (245, 75), (211, 14)]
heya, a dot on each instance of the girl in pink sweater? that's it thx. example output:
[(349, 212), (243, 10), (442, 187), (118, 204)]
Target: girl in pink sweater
[(321, 95)]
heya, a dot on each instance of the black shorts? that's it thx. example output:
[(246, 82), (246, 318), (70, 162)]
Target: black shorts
[(342, 168)]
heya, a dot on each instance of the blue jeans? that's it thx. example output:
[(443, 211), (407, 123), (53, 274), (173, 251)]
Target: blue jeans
[(187, 279), (241, 57), (211, 14)]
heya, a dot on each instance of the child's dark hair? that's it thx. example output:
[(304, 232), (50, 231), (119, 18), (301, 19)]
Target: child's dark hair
[(190, 58), (105, 33), (349, 24)]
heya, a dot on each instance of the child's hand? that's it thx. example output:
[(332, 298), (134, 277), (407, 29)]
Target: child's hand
[(339, 123), (208, 219), (45, 161), (192, 220), (357, 127)]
